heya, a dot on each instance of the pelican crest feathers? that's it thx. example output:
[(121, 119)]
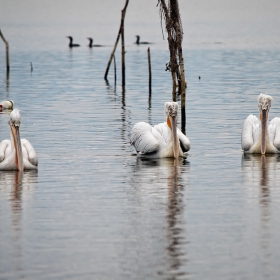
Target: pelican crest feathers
[(171, 109), (265, 101), (15, 117)]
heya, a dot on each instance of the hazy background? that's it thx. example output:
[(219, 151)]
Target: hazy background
[(250, 23)]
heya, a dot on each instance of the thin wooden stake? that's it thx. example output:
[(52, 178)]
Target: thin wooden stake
[(115, 71), (123, 53), (174, 99), (7, 80), (117, 40), (7, 51), (150, 77)]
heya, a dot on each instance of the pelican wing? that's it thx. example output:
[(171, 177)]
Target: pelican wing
[(274, 132), (28, 153), (143, 138), (3, 148), (184, 141), (250, 132)]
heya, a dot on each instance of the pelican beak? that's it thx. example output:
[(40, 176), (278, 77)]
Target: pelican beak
[(17, 145), (263, 118), (173, 122)]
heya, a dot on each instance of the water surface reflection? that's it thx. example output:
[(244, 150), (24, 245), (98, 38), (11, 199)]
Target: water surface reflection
[(16, 185), (261, 169), (167, 178), (261, 173)]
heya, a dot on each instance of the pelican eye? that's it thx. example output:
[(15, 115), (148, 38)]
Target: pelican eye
[(173, 111), (10, 122)]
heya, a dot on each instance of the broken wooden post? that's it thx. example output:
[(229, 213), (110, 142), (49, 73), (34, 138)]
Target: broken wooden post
[(7, 52)]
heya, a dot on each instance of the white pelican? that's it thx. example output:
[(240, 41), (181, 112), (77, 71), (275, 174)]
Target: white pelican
[(6, 104), (17, 154), (259, 136), (160, 141)]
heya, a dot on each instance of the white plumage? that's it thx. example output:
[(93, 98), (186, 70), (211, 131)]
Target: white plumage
[(162, 140), (7, 104), (17, 153), (258, 135)]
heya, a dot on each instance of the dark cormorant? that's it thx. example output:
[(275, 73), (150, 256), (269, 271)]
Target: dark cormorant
[(140, 43), (91, 43), (71, 45)]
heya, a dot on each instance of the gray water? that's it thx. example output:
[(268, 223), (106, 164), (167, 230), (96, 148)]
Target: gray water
[(94, 210)]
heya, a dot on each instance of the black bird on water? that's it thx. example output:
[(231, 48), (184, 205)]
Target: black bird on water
[(91, 43), (140, 43), (71, 45)]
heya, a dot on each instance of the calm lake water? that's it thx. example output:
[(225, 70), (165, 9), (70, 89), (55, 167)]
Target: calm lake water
[(94, 210)]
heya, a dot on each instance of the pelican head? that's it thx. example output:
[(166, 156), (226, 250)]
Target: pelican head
[(265, 101), (264, 107), (171, 112), (7, 104), (11, 104), (14, 123)]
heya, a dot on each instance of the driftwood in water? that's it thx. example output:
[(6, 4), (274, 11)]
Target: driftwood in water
[(7, 51), (116, 43), (171, 15), (150, 77)]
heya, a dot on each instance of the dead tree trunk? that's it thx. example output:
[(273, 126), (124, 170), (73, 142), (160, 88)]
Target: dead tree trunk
[(7, 52), (173, 26), (182, 79), (117, 40)]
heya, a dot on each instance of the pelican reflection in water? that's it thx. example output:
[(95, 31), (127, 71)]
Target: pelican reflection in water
[(259, 136), (17, 153), (261, 170), (18, 187), (159, 187), (260, 180), (163, 140)]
